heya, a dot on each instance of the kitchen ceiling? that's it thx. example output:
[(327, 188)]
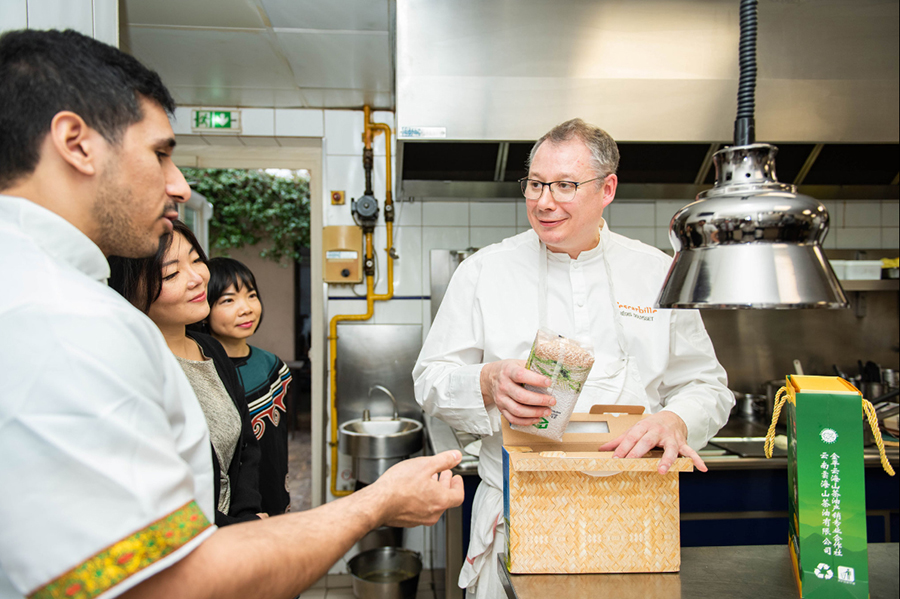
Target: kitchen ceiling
[(342, 54), (266, 53)]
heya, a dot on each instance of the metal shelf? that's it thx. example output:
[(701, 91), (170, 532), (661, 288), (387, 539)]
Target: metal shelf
[(871, 285)]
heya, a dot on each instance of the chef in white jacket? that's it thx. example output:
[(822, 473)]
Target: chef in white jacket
[(574, 276)]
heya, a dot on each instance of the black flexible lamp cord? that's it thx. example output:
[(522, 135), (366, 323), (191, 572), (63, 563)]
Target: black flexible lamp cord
[(744, 125)]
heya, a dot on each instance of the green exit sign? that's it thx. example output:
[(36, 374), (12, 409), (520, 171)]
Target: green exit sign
[(216, 121)]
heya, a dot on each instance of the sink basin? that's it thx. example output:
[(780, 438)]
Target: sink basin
[(377, 444)]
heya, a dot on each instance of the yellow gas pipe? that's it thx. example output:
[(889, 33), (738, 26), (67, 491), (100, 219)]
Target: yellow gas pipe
[(370, 131)]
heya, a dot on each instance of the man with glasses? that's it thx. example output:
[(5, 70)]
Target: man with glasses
[(571, 275)]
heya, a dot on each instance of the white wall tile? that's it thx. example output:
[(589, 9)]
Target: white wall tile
[(61, 14), (635, 214), (181, 120), (398, 311), (291, 122), (890, 238), (338, 215), (890, 213), (426, 318), (407, 214), (608, 213), (862, 238), (480, 237), (13, 14), (408, 268), (830, 242), (662, 238), (522, 215), (645, 234), (344, 129), (835, 213), (106, 21), (492, 214), (257, 121), (335, 307), (440, 238), (862, 214), (445, 214), (666, 209), (443, 238)]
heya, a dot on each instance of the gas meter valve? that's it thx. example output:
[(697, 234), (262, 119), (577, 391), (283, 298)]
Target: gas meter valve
[(366, 210)]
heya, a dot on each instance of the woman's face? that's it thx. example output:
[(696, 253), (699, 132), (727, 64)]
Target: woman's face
[(182, 300), (236, 314)]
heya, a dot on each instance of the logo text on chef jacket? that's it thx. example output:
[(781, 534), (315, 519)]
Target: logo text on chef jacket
[(639, 312)]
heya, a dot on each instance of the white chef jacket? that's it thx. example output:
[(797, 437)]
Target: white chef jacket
[(491, 312), (107, 469)]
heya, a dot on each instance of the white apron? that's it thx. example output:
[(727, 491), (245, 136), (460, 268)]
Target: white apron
[(622, 381)]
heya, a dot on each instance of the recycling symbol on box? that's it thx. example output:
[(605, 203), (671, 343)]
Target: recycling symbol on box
[(824, 571)]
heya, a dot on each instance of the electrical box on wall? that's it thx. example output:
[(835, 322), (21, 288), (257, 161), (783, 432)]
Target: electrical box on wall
[(342, 248)]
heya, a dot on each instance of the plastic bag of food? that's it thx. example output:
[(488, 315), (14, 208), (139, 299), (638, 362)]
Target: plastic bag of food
[(567, 364)]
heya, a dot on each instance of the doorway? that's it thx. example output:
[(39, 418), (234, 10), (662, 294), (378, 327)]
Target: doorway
[(287, 292)]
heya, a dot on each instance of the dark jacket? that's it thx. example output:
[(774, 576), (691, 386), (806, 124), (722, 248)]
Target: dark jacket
[(244, 469)]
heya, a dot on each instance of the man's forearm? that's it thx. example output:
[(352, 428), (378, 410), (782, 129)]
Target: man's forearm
[(277, 557)]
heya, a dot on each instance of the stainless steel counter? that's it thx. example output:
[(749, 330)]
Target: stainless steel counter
[(749, 572)]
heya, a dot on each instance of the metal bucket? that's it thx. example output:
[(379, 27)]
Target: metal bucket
[(386, 573)]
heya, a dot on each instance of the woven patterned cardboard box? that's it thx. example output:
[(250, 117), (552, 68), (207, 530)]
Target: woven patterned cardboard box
[(571, 509)]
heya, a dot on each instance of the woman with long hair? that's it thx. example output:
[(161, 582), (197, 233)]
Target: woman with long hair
[(170, 288)]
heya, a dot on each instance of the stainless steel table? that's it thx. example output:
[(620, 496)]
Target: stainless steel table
[(748, 572)]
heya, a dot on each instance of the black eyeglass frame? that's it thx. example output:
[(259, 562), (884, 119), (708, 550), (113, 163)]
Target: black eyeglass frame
[(524, 181)]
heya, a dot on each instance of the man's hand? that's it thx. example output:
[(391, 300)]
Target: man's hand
[(418, 490), (664, 429), (501, 384)]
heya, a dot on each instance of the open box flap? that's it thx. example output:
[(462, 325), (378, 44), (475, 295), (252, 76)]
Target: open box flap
[(617, 422), (821, 384), (614, 409)]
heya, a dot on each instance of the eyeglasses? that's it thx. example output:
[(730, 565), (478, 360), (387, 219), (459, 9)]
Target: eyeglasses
[(562, 191)]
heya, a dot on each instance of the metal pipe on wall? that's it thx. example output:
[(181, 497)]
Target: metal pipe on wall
[(369, 132)]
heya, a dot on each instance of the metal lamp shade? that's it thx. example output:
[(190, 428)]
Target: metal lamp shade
[(750, 242)]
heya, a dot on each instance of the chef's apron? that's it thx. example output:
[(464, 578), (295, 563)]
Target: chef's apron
[(621, 379)]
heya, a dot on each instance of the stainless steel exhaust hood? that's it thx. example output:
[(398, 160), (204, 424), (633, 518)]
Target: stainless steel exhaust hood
[(647, 70)]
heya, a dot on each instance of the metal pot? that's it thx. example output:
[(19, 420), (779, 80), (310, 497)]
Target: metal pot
[(386, 573), (751, 408), (770, 389)]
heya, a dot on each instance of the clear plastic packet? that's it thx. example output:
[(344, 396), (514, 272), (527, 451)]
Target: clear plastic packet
[(567, 364)]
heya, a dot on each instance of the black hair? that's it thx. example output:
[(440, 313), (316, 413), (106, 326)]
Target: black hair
[(45, 72), (225, 272), (139, 280)]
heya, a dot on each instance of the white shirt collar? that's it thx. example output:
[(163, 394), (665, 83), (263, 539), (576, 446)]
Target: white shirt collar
[(586, 255), (56, 236)]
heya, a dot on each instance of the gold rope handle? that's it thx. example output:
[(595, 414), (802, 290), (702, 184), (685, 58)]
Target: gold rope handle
[(780, 398), (869, 410)]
